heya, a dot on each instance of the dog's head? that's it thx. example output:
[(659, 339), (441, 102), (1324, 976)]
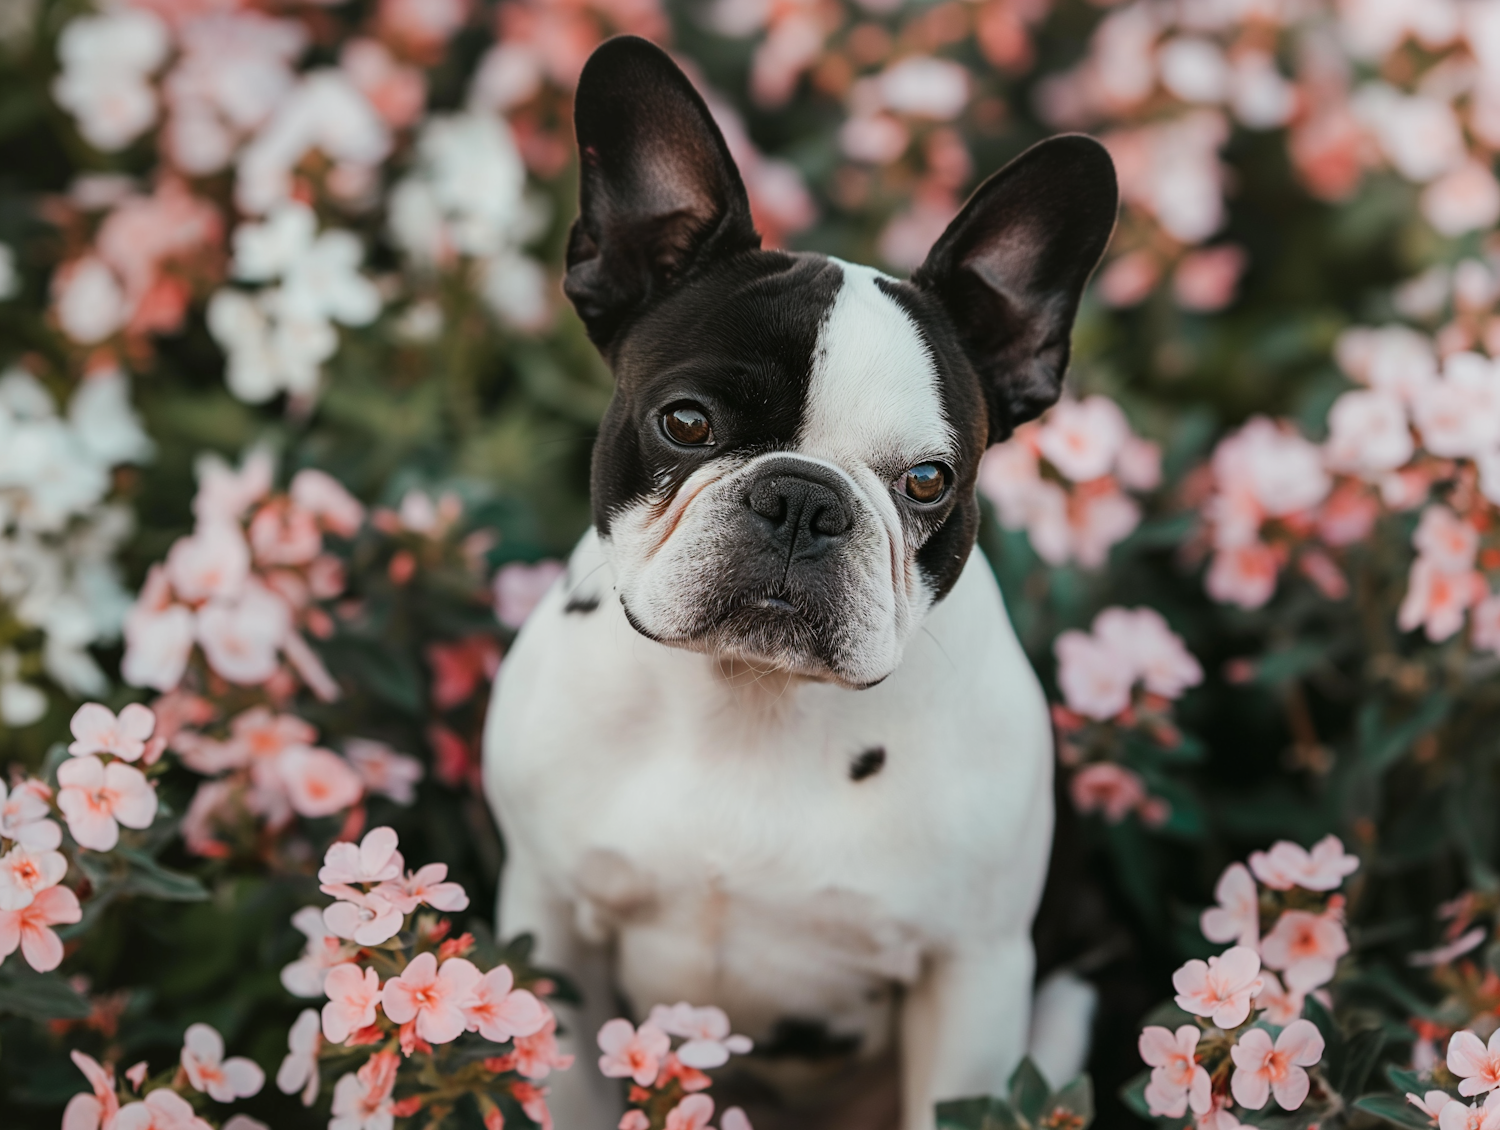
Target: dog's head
[(786, 472)]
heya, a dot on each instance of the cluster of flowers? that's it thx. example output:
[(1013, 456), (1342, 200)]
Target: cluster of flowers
[(1251, 1043), (59, 531), (667, 1086), (396, 980), (1122, 677), (1080, 511), (170, 1100)]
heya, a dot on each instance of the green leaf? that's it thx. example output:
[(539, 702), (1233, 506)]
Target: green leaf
[(1379, 749), (1405, 1081), (40, 996), (149, 878), (977, 1114), (1281, 666), (1029, 1091), (1360, 1056), (1077, 1099), (1133, 1095), (1394, 1108)]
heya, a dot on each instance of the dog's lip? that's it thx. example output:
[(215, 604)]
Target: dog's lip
[(774, 604)]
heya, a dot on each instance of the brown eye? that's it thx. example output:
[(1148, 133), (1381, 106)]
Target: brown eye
[(925, 482), (688, 425)]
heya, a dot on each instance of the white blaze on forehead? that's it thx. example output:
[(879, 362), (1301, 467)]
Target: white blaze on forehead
[(873, 398)]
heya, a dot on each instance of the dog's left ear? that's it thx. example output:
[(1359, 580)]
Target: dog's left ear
[(658, 194), (1011, 268)]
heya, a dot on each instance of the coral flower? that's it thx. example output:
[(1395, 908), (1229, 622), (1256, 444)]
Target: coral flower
[(537, 1054), (1305, 947), (632, 1053), (88, 1111), (97, 730), (30, 928), (1262, 1070), (498, 1011), (1456, 1116), (162, 1109), (367, 919), (1221, 988), (24, 873), (353, 994), (299, 1070), (706, 1031), (435, 998), (362, 1101), (692, 1113), (96, 798), (1474, 1063), (426, 885)]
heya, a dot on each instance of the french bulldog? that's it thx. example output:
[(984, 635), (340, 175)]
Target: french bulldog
[(771, 743)]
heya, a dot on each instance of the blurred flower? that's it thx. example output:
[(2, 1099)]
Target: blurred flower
[(106, 61), (1236, 918), (519, 588), (305, 976), (362, 1101), (299, 1070), (88, 1111), (383, 771), (1287, 865), (632, 1053), (1305, 947), (207, 1070), (1108, 788), (96, 729), (706, 1030)]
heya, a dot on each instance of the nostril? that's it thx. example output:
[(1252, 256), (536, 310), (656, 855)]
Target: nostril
[(830, 520), (767, 500)]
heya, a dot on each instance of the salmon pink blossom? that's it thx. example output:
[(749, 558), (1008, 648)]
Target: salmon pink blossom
[(353, 994), (1220, 988), (537, 1054), (1305, 947), (1262, 1069), (375, 860), (519, 588), (1437, 599), (362, 1101), (30, 928), (23, 873), (23, 816), (212, 564), (367, 919), (1476, 1065), (634, 1120), (384, 771), (1152, 651), (319, 493), (207, 1070), (706, 1030), (241, 639), (734, 1119), (1431, 1104), (299, 1070), (318, 781), (424, 886), (1457, 1116), (632, 1053), (692, 1113), (1108, 788), (1243, 574), (1287, 865), (162, 1109), (1083, 438), (434, 997), (304, 977), (1281, 1005), (89, 1111), (96, 799), (1177, 1079), (498, 1011), (1368, 433), (97, 730), (1237, 917), (1092, 677)]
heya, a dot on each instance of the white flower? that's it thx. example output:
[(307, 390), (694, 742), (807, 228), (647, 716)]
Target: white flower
[(21, 704), (10, 278), (105, 63)]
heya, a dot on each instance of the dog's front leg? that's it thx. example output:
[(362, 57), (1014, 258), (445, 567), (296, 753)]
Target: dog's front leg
[(963, 1026), (581, 1098)]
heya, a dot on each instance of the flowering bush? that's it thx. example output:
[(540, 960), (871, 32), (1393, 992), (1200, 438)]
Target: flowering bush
[(294, 429)]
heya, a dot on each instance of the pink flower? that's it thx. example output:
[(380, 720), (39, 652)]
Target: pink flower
[(1306, 947), (634, 1120), (1091, 675), (692, 1113), (1486, 618), (1281, 1005), (734, 1119), (1237, 917), (162, 1109), (375, 860), (30, 928), (159, 636), (1431, 1104), (367, 919), (1138, 467), (1243, 574), (257, 732), (318, 781), (207, 1070), (1152, 651), (324, 496), (363, 1101), (519, 588), (1463, 200), (284, 534), (498, 1011), (1083, 438), (299, 1070), (1476, 1064), (213, 564), (1279, 469), (224, 494), (353, 994), (1177, 1079), (425, 885), (1107, 787), (1221, 988), (304, 977), (537, 1054), (1437, 599), (706, 1031), (1129, 279), (1206, 279), (1368, 433), (1287, 865), (1262, 1070), (97, 730), (87, 1111), (1442, 955), (1446, 540), (1456, 1116), (384, 771), (240, 640), (96, 798), (435, 998), (632, 1053), (24, 873), (23, 815)]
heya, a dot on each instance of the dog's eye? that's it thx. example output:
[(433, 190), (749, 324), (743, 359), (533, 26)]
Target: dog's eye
[(688, 425), (925, 482)]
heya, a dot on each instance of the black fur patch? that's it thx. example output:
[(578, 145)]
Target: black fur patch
[(796, 1037), (581, 605), (868, 763)]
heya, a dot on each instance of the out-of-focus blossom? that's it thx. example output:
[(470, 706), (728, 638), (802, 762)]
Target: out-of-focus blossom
[(632, 1053), (1236, 918), (96, 729), (519, 588), (104, 80), (709, 1043), (89, 1110), (1206, 280), (1368, 433), (1288, 865), (207, 1070), (299, 1070), (305, 976), (362, 1100), (318, 781), (1109, 789), (384, 771)]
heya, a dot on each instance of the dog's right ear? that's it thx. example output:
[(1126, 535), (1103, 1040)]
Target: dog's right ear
[(659, 194)]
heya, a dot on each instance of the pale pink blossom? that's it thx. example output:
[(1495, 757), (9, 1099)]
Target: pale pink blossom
[(1289, 865), (634, 1120), (353, 994), (299, 1070), (24, 805), (89, 300), (1431, 1104), (362, 1101), (1437, 599), (538, 1054), (24, 873), (1138, 466), (1083, 438), (1458, 1116), (261, 733), (1279, 469), (1141, 638), (96, 799), (1108, 788), (1244, 575), (384, 771), (224, 494), (692, 1113), (304, 977), (1206, 280), (374, 860), (632, 1053), (97, 730), (159, 636), (241, 640), (1237, 917), (1281, 1005), (1445, 539), (318, 781), (319, 493), (1486, 620), (498, 1011), (709, 1043), (91, 1110), (519, 588), (162, 1109), (1306, 947), (30, 928), (1098, 519), (1458, 415), (427, 886), (367, 919), (1466, 942), (1220, 988), (1368, 433), (734, 1119), (1477, 1065), (1263, 1069), (1094, 680), (434, 997), (284, 534), (1464, 199), (207, 1070), (1177, 1079), (212, 564)]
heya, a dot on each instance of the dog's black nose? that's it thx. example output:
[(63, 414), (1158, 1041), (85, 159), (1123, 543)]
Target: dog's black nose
[(801, 516)]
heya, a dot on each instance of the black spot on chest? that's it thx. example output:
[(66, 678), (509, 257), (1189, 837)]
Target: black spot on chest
[(796, 1037), (867, 764), (581, 605)]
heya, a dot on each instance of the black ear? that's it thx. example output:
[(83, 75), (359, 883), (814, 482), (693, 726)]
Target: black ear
[(659, 194), (1012, 266)]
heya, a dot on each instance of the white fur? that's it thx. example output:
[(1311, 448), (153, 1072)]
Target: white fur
[(679, 828)]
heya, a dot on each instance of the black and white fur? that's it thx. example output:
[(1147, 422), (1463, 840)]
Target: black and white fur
[(771, 744)]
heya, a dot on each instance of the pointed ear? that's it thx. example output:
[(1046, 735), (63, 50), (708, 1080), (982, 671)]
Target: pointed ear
[(1012, 266), (659, 194)]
